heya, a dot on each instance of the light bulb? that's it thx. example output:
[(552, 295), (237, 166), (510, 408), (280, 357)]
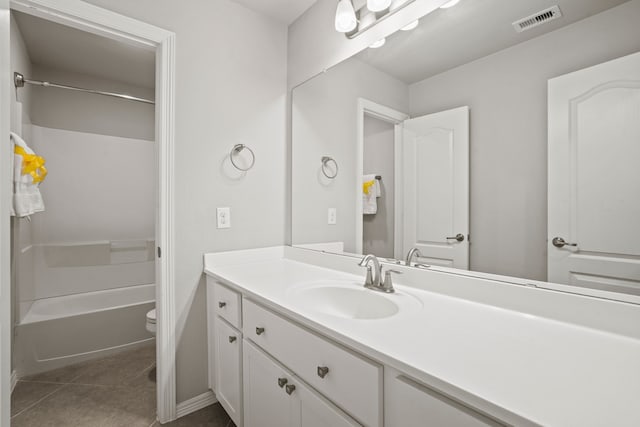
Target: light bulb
[(449, 4), (345, 17), (378, 44), (411, 26), (378, 5)]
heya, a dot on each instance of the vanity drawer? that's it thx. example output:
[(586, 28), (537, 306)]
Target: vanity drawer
[(351, 381), (227, 304)]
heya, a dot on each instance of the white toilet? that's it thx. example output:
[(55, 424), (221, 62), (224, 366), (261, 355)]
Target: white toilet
[(151, 321)]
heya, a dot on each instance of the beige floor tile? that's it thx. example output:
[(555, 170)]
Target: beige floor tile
[(28, 393), (211, 416), (87, 405)]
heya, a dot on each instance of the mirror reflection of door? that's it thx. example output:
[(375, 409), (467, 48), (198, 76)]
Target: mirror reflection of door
[(436, 187), (594, 178)]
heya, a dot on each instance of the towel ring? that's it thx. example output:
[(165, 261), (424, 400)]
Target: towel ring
[(236, 150), (325, 160)]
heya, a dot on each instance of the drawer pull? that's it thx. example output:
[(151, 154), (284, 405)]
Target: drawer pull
[(232, 339), (222, 304), (259, 331), (282, 382), (290, 388), (323, 371)]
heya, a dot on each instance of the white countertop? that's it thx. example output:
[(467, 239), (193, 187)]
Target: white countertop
[(522, 368)]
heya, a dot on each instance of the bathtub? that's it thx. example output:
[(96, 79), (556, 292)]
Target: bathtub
[(63, 330)]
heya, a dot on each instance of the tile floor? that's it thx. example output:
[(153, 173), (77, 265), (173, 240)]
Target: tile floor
[(116, 391)]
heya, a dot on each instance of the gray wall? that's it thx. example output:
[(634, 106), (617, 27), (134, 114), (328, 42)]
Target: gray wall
[(378, 158), (507, 93), (324, 112), (86, 112), (230, 88)]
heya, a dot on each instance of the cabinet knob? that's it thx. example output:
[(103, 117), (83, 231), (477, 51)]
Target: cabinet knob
[(221, 304), (259, 331), (323, 371), (282, 382), (290, 388), (232, 338)]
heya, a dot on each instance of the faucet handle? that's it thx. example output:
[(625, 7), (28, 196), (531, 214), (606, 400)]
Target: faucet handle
[(368, 281), (387, 285)]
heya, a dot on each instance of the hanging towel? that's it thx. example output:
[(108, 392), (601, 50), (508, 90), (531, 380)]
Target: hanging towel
[(370, 192), (28, 172)]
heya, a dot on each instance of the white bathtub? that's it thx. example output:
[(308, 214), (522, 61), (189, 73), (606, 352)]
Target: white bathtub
[(59, 331)]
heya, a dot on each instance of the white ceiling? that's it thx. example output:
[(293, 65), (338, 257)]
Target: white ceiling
[(285, 11), (448, 38), (64, 48)]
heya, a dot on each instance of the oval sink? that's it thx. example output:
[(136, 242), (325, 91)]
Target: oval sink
[(349, 300)]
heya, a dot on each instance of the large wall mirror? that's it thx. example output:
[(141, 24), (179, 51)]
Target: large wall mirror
[(446, 139)]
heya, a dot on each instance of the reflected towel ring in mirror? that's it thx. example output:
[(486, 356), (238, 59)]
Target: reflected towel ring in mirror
[(325, 160), (235, 151)]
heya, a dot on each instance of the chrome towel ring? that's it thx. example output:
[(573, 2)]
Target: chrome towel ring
[(237, 149), (325, 160)]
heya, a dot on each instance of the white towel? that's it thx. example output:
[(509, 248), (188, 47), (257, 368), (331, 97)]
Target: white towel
[(369, 200), (27, 199)]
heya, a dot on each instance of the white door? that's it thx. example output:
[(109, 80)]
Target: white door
[(5, 201), (436, 187), (229, 369), (316, 411), (594, 177), (266, 401)]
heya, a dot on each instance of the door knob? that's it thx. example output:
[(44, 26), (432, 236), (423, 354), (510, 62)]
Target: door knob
[(221, 304), (459, 237), (232, 339), (290, 388), (559, 242), (259, 331), (282, 382)]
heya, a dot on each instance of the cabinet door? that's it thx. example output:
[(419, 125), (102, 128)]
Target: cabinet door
[(266, 403), (228, 363), (409, 404), (315, 411)]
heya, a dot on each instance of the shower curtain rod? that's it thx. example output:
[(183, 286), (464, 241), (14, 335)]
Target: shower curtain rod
[(19, 81)]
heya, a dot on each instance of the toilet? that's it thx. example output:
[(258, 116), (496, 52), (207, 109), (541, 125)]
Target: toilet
[(151, 321)]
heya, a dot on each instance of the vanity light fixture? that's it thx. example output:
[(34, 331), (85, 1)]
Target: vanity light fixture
[(378, 5), (378, 44), (449, 4), (345, 17)]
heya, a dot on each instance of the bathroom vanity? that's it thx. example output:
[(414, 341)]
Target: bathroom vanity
[(296, 340)]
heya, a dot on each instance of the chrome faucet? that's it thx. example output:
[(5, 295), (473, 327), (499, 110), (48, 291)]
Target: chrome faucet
[(374, 280), (413, 252)]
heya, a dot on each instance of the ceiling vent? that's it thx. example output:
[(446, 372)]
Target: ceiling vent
[(537, 19)]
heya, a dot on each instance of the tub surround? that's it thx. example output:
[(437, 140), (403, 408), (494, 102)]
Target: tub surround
[(519, 354)]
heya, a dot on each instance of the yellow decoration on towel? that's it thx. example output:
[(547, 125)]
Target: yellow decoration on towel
[(367, 185), (32, 164)]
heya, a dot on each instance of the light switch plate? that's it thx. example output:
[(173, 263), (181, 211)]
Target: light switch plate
[(224, 217), (332, 216)]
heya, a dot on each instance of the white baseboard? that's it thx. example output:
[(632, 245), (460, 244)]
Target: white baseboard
[(14, 379), (195, 403)]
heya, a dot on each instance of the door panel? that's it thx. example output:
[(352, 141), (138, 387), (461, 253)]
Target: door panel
[(265, 403), (436, 180), (594, 179)]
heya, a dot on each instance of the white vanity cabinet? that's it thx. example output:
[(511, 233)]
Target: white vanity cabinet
[(268, 370), (275, 397), (410, 404), (225, 348)]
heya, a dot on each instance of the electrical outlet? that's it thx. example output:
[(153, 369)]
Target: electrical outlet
[(224, 217), (332, 216)]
